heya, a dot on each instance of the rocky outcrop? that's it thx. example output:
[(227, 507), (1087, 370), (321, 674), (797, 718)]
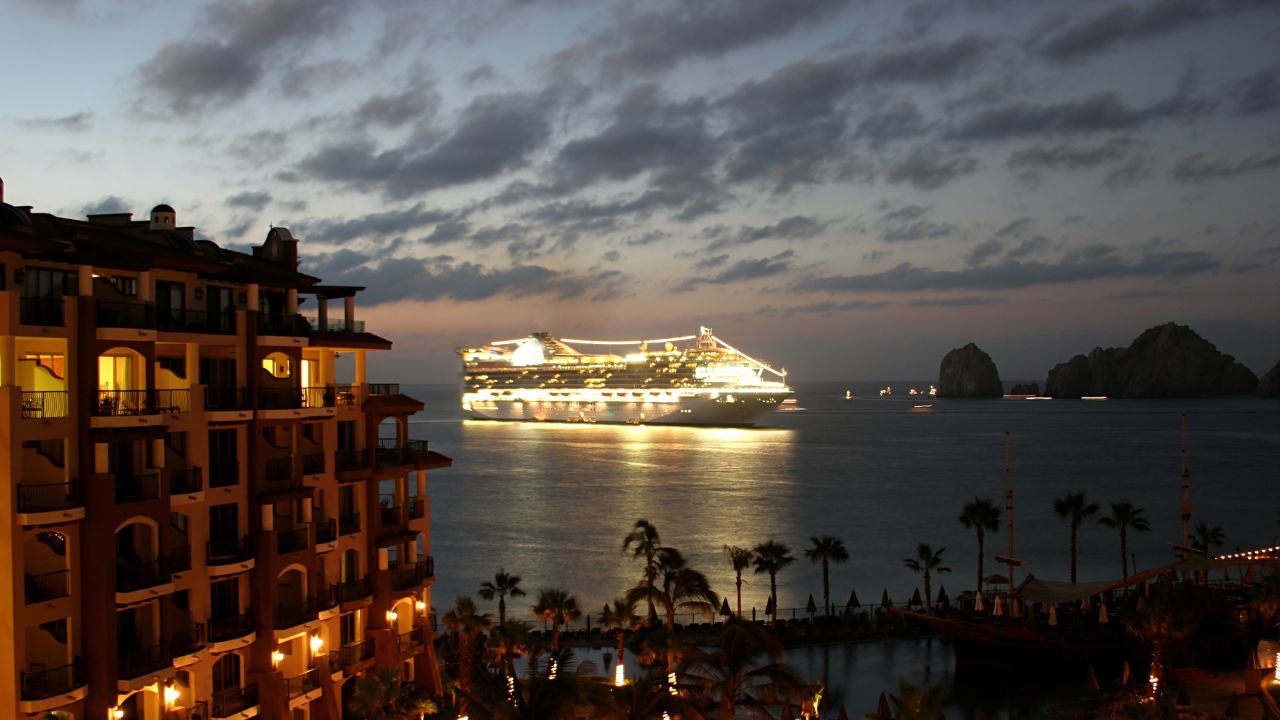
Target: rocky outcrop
[(968, 372), (1269, 385), (1027, 389), (1166, 361)]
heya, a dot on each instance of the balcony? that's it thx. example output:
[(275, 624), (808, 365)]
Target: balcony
[(223, 473), (349, 524), (133, 574), (353, 590), (125, 315), (197, 321), (180, 559), (411, 576), (279, 469), (123, 403), (417, 508), (293, 614), (326, 531), (228, 551), (332, 325), (355, 653), (347, 395), (138, 488), (285, 324), (41, 404), (225, 398), (392, 452), (394, 517), (293, 540), (198, 711), (188, 640), (173, 401), (51, 497), (352, 461), (39, 683), (300, 685), (46, 586), (232, 701), (230, 627), (313, 463), (144, 661), (408, 641), (185, 482), (376, 389), (40, 311)]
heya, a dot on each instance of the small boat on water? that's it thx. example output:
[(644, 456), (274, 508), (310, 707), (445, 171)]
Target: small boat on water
[(922, 408), (848, 394), (789, 405), (1094, 397), (886, 391)]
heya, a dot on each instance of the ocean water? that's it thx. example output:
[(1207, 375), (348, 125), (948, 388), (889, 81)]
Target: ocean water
[(553, 502)]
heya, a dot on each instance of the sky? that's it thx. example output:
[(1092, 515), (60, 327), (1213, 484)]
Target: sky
[(844, 188)]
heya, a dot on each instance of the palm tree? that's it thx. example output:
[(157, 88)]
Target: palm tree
[(771, 557), (506, 643), (502, 586), (643, 541), (1166, 616), (927, 562), (1074, 508), (384, 695), (558, 608), (740, 558), (466, 623), (743, 669), (646, 698), (1206, 537), (1125, 515), (621, 617), (912, 703), (826, 549), (681, 587), (980, 516)]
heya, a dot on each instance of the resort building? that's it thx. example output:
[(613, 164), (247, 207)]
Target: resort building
[(201, 519)]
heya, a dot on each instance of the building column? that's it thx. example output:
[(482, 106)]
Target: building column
[(8, 361), (84, 280), (349, 312), (422, 483), (322, 313), (360, 368), (291, 301), (157, 453), (144, 286), (193, 364), (252, 297)]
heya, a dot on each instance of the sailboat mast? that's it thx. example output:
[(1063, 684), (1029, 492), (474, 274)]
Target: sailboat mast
[(1185, 505), (1008, 507)]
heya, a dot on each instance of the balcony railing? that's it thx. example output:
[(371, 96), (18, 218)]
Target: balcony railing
[(284, 324), (228, 551), (413, 575), (376, 389), (393, 517), (321, 396), (409, 640), (51, 497), (173, 401), (115, 403), (180, 559), (225, 398), (138, 488), (355, 653), (230, 627), (332, 325), (279, 469), (142, 661), (133, 574), (313, 463), (231, 701), (326, 531), (302, 684), (417, 508), (185, 481), (198, 710), (291, 614), (197, 321), (46, 586), (41, 311), (352, 460), (347, 395), (223, 473), (44, 403), (349, 524), (353, 590), (294, 540), (392, 452), (279, 398), (125, 314), (188, 639), (43, 683)]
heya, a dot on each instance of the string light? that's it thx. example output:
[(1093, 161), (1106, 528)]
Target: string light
[(671, 682), (619, 675)]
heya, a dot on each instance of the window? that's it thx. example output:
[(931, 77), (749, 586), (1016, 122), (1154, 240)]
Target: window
[(176, 442), (125, 285), (175, 365)]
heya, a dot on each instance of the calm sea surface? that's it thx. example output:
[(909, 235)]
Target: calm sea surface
[(552, 503)]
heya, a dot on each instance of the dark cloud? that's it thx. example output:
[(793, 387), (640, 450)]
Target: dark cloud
[(302, 80), (380, 224), (1197, 169), (253, 200), (1123, 156), (713, 261), (232, 51), (1015, 228), (1126, 22), (898, 120), (1029, 246), (983, 252), (824, 308), (744, 270), (1099, 112), (260, 147), (647, 238), (447, 231), (875, 255), (75, 122), (508, 233), (956, 302), (493, 134), (612, 256), (658, 40), (917, 230), (1258, 93), (906, 213), (107, 205), (1093, 263), (930, 167), (480, 73), (796, 227), (416, 103)]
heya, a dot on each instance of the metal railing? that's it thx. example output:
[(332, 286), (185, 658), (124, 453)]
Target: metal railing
[(292, 614), (230, 701), (353, 590), (199, 710), (50, 497), (197, 321), (279, 398), (384, 389), (173, 400), (313, 463), (293, 540), (40, 311), (351, 460), (41, 683), (349, 524), (188, 639), (224, 473), (392, 452), (133, 574), (225, 398), (321, 396), (302, 684), (407, 641), (228, 551), (125, 314), (230, 627), (347, 395), (417, 508), (44, 403), (332, 325), (326, 531), (284, 324), (46, 586), (187, 480), (138, 488), (116, 403), (355, 653), (142, 661), (413, 575)]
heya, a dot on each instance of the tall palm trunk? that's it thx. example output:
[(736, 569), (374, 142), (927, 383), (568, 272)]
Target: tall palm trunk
[(739, 583), (981, 553), (555, 637), (1124, 556), (928, 596), (651, 573), (773, 595), (466, 651), (502, 610), (1073, 553), (826, 588), (622, 646)]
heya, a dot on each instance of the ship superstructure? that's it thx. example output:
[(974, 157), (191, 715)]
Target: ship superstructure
[(691, 380)]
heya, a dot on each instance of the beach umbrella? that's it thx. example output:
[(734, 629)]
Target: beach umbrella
[(882, 707), (1126, 675), (853, 601), (997, 607), (943, 600), (1053, 616), (1091, 681), (768, 607), (811, 607), (844, 714), (977, 603), (1015, 607), (725, 610), (1233, 706), (1086, 605), (915, 599), (1102, 614), (885, 602)]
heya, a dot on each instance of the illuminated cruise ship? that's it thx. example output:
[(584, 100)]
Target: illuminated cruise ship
[(691, 380)]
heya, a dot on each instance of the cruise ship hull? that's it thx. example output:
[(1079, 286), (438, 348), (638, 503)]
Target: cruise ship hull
[(723, 410)]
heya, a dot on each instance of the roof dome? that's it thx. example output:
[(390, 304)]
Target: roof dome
[(162, 207)]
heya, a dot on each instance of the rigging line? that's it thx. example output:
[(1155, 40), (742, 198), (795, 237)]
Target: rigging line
[(748, 357)]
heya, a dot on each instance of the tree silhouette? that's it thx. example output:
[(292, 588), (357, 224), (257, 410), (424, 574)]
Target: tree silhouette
[(927, 562), (558, 608), (1074, 508), (503, 585), (980, 516), (771, 557), (740, 558), (1125, 515), (643, 541), (826, 549)]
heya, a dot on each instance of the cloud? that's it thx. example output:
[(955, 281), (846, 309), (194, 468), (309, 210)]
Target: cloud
[(1099, 112), (906, 213), (1029, 246), (75, 122), (302, 80), (796, 227), (1015, 228), (378, 224), (744, 270), (253, 200), (260, 147), (826, 307), (896, 121), (1197, 169), (1123, 155), (1093, 263), (929, 168), (416, 103), (917, 230), (956, 302), (983, 252), (713, 261), (1259, 93), (1125, 22), (107, 205), (231, 51)]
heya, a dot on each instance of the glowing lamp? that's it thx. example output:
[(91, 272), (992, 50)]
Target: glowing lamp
[(392, 615), (277, 657), (551, 673), (420, 605), (117, 713), (316, 644), (170, 696), (1277, 674), (619, 675)]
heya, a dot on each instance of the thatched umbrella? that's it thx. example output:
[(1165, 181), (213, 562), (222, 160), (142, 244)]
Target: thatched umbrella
[(1091, 681), (725, 609), (1126, 675), (977, 603), (853, 603), (943, 601), (844, 714), (1053, 616), (885, 602), (997, 608), (768, 607), (1102, 614), (915, 599), (882, 707), (811, 607)]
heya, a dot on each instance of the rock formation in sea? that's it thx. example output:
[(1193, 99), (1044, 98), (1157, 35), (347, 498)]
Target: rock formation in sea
[(1269, 385), (968, 372), (1165, 361), (1025, 389)]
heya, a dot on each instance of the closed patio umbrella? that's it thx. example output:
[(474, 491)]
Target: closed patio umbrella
[(915, 599), (1053, 616), (853, 602), (811, 607), (885, 602), (943, 601), (724, 608), (977, 603), (997, 607), (882, 707), (1102, 614)]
